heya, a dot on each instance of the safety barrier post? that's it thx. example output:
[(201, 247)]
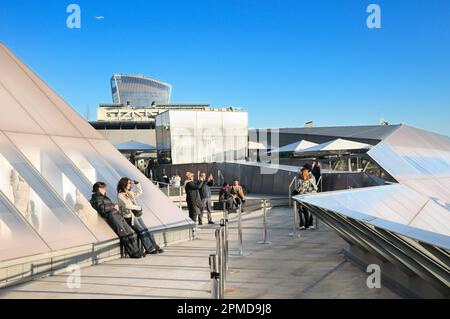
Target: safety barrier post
[(219, 253), (264, 207), (294, 232), (215, 276), (225, 218), (240, 251), (289, 197), (223, 262), (241, 248)]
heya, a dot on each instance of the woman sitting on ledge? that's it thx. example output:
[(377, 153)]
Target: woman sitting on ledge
[(110, 212)]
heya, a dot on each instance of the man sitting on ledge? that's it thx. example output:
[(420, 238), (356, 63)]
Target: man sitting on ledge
[(238, 194)]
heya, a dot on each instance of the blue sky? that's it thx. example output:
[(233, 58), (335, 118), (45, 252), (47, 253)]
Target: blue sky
[(285, 62)]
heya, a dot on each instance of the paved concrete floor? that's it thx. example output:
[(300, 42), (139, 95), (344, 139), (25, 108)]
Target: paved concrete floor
[(311, 266)]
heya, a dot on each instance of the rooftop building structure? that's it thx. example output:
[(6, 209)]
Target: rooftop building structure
[(139, 91), (49, 160)]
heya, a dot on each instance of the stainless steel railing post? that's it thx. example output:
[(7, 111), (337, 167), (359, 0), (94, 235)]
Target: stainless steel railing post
[(289, 196), (223, 269), (241, 248), (225, 217), (264, 207), (215, 276), (219, 253), (294, 232), (179, 197)]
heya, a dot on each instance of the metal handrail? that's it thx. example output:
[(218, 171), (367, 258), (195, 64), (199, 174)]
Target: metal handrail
[(320, 182), (159, 183), (254, 204), (290, 190), (219, 176), (265, 207), (167, 186)]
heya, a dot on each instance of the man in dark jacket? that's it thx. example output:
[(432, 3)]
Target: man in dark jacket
[(226, 198), (193, 199), (316, 171), (205, 195), (110, 212)]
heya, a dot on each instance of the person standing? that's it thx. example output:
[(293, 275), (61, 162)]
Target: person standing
[(316, 171), (306, 185), (132, 213), (193, 199), (110, 212), (309, 167), (176, 181), (205, 195)]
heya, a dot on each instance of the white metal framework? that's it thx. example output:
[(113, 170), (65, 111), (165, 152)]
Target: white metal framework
[(407, 223), (49, 159)]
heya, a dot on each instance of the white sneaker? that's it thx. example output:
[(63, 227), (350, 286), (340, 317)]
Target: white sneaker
[(312, 228), (302, 227)]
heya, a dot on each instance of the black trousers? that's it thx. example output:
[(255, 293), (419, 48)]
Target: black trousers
[(194, 212), (206, 205), (306, 218), (144, 234), (239, 201), (228, 204), (126, 234)]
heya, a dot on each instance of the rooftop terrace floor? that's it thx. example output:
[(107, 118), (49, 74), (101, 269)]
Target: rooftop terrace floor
[(311, 266)]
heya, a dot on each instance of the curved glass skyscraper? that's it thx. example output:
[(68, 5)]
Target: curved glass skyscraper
[(139, 90)]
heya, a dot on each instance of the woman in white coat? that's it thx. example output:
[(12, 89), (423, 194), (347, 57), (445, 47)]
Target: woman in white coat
[(132, 212)]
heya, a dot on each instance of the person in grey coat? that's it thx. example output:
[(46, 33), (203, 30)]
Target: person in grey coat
[(205, 195)]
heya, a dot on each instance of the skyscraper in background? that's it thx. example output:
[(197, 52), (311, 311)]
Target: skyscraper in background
[(139, 91)]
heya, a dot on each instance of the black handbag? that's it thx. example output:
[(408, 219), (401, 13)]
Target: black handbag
[(137, 213)]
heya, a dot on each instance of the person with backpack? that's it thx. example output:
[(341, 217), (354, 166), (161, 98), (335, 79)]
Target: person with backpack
[(110, 212)]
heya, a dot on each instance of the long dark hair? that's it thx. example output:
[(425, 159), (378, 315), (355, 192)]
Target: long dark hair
[(122, 185), (98, 185)]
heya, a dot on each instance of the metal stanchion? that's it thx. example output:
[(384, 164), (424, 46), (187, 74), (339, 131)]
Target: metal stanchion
[(179, 196), (240, 251), (219, 253), (316, 222), (241, 248), (264, 207), (294, 232), (223, 262), (290, 198), (225, 218), (168, 190), (215, 276)]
